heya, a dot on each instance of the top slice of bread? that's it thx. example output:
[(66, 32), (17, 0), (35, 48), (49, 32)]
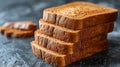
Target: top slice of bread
[(78, 15)]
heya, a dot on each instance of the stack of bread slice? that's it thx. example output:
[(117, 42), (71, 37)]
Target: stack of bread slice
[(73, 31)]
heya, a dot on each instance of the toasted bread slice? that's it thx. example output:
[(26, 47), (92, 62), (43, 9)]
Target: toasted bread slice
[(10, 32), (79, 15), (69, 35), (24, 25), (47, 55), (48, 42)]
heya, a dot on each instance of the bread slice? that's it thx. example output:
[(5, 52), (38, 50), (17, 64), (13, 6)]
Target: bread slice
[(16, 33), (61, 46), (24, 25), (79, 15), (47, 55), (69, 35), (57, 59), (48, 42)]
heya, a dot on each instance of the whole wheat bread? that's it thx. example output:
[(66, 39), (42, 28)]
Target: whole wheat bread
[(78, 15)]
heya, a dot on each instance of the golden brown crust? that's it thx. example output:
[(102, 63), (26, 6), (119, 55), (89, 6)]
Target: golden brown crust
[(91, 17), (74, 36)]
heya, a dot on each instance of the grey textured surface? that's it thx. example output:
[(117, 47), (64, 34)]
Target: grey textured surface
[(18, 53)]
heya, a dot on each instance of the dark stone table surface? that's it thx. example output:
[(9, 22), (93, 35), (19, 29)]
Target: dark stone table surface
[(17, 52)]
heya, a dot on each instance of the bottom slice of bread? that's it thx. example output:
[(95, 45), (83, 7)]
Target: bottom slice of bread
[(57, 59)]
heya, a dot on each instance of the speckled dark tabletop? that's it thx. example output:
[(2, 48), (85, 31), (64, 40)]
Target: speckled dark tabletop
[(18, 53)]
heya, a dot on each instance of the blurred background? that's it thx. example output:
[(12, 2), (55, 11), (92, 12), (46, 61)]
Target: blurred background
[(17, 52)]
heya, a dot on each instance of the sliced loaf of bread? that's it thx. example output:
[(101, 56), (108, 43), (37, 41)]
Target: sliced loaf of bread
[(79, 15)]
